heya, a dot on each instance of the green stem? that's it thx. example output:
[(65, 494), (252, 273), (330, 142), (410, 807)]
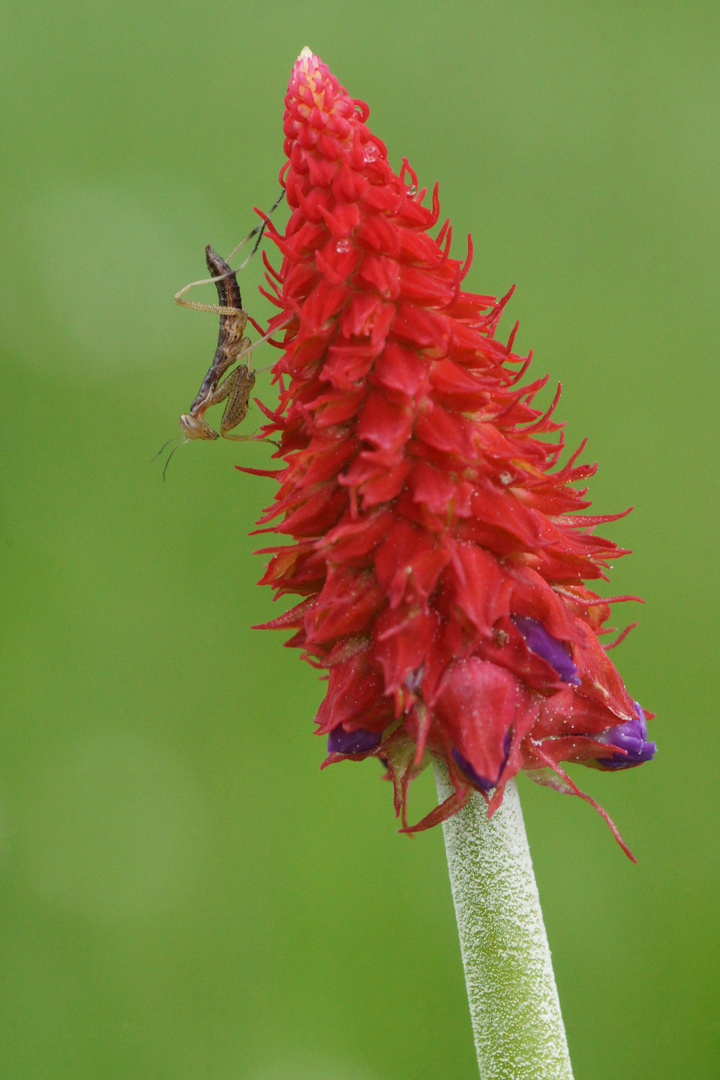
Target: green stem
[(514, 1005)]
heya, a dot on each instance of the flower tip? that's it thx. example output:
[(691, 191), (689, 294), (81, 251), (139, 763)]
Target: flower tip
[(306, 65)]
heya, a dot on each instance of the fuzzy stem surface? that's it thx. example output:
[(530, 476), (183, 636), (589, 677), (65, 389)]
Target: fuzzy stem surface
[(514, 1004)]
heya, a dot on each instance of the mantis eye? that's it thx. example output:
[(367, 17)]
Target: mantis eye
[(193, 427), (187, 425)]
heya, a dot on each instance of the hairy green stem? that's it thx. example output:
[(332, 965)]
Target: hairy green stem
[(514, 1005)]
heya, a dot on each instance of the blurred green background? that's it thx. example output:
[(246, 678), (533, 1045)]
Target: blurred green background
[(183, 894)]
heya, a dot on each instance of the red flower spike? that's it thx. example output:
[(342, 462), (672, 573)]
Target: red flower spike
[(440, 559)]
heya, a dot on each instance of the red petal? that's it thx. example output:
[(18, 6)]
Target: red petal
[(476, 704)]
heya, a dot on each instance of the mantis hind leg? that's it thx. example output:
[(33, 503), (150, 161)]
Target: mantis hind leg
[(236, 388)]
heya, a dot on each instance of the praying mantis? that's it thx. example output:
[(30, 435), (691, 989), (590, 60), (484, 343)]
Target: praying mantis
[(232, 346)]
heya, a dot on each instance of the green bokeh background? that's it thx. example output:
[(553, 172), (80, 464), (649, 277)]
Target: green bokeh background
[(183, 894)]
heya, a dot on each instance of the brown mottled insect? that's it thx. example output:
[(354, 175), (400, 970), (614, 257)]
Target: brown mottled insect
[(232, 343)]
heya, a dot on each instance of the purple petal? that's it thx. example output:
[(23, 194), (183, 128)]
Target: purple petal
[(543, 644), (482, 781), (359, 741), (631, 737)]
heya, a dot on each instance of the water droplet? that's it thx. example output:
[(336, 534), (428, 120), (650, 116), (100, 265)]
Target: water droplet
[(343, 246), (371, 151), (412, 190), (505, 477)]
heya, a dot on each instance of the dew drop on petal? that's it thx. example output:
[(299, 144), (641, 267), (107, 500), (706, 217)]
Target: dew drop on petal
[(412, 190), (505, 477), (371, 151), (343, 246)]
